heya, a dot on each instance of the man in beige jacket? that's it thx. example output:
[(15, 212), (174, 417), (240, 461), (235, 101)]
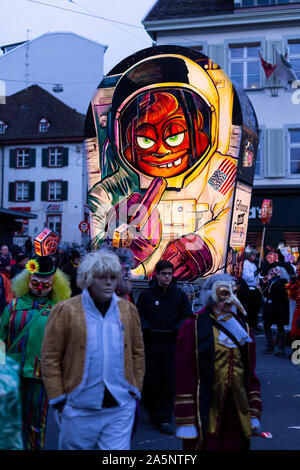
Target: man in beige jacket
[(93, 360)]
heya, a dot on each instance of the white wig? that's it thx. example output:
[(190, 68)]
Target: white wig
[(101, 263), (206, 288)]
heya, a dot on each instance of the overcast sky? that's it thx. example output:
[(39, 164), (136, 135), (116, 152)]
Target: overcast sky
[(18, 16)]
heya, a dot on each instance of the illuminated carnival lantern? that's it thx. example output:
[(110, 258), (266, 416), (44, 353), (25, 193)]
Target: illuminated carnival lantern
[(171, 145)]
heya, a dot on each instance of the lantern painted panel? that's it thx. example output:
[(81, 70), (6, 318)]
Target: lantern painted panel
[(167, 137)]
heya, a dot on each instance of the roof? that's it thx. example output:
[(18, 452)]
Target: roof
[(24, 110), (175, 9), (13, 47)]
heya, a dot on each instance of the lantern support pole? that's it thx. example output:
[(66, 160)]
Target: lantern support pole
[(262, 245)]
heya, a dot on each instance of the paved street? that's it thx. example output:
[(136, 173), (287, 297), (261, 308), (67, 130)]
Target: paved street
[(280, 381)]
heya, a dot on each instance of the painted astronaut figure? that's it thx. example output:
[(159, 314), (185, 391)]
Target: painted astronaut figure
[(171, 196)]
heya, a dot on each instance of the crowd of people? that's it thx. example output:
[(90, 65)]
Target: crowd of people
[(83, 344)]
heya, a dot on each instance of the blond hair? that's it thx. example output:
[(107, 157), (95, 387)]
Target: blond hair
[(61, 289), (102, 263)]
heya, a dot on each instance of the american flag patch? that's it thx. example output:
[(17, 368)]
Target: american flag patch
[(222, 179)]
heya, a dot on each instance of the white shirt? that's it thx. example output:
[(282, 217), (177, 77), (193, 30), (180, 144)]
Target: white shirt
[(248, 273), (104, 361)]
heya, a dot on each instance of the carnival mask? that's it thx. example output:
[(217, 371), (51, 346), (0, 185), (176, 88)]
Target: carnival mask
[(40, 287), (226, 292)]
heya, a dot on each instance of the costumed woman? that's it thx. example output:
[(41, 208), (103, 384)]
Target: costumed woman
[(293, 291), (218, 401), (277, 308), (37, 289)]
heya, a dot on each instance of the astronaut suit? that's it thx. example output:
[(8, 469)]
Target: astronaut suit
[(175, 151)]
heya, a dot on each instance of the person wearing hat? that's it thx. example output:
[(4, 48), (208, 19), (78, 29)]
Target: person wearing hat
[(37, 288), (218, 401), (255, 300), (70, 269), (21, 262), (277, 308)]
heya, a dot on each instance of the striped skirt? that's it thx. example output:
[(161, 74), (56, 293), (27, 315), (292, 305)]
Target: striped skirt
[(35, 409)]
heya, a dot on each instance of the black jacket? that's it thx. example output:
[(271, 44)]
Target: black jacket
[(163, 311)]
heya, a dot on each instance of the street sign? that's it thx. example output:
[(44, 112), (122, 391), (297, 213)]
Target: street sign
[(84, 226)]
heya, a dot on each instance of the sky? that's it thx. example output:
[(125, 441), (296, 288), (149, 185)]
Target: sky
[(20, 19)]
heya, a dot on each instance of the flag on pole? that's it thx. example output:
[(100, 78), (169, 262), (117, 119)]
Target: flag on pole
[(284, 71), (268, 68)]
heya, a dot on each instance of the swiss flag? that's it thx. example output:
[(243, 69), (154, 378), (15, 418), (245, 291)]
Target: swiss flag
[(268, 68)]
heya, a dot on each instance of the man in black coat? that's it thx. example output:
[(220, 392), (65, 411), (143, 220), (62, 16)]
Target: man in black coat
[(162, 308)]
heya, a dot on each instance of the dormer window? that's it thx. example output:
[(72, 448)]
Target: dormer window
[(43, 125), (3, 127)]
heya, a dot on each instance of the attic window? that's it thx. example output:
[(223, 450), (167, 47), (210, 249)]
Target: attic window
[(43, 125), (3, 127)]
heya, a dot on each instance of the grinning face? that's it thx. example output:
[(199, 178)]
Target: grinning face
[(159, 140), (41, 286)]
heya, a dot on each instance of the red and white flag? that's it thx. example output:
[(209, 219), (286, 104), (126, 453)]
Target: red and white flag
[(268, 68)]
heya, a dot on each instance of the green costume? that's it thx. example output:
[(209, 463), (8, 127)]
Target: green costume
[(27, 350)]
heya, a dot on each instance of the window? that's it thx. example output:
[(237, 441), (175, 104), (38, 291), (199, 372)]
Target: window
[(294, 151), (259, 167), (23, 158), (245, 65), (22, 191), (258, 162), (54, 223), (3, 127), (55, 156), (54, 190), (43, 125), (294, 57)]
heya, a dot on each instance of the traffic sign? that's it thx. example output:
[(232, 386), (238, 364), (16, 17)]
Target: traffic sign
[(84, 226)]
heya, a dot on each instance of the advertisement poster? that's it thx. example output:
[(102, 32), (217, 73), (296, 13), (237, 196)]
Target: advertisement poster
[(239, 225), (164, 139)]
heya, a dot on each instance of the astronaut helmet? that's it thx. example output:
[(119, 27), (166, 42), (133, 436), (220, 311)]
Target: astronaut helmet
[(165, 114)]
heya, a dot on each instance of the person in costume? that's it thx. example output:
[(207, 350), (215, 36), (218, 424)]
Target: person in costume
[(293, 291), (218, 401), (23, 322), (277, 308), (70, 269), (171, 138), (93, 360)]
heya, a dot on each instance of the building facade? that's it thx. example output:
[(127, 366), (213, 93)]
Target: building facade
[(43, 164), (68, 66), (235, 33)]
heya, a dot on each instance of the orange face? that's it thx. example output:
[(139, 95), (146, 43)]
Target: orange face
[(159, 140)]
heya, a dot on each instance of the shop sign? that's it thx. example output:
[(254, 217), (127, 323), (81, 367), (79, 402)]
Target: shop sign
[(51, 208)]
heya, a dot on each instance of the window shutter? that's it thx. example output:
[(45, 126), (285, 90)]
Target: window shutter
[(45, 157), (64, 191), (65, 156), (11, 191), (270, 50), (32, 158), (31, 190), (219, 54), (13, 158), (44, 191), (275, 161)]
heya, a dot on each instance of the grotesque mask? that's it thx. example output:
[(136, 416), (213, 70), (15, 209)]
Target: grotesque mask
[(226, 291)]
